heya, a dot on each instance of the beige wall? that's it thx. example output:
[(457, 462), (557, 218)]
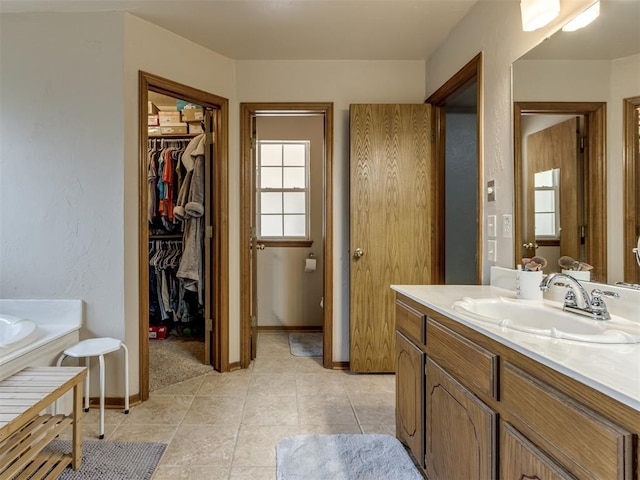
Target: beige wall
[(287, 295), (494, 28)]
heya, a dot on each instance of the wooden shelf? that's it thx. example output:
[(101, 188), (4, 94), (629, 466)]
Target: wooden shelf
[(176, 135)]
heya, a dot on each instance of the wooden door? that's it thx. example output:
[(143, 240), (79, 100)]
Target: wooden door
[(409, 396), (557, 147), (391, 211), (254, 245), (208, 286), (460, 430)]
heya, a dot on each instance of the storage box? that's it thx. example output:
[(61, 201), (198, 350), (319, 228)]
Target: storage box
[(192, 114), (157, 332), (154, 131), (152, 108), (168, 108), (153, 120), (195, 127), (178, 128), (167, 118)]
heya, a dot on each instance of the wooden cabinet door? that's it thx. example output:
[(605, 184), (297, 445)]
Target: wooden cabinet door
[(410, 396), (521, 460), (460, 430), (391, 220)]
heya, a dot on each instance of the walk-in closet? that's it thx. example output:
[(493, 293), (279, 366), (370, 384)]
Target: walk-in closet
[(180, 268)]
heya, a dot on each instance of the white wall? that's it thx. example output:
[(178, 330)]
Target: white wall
[(287, 295), (493, 27), (61, 163), (343, 83)]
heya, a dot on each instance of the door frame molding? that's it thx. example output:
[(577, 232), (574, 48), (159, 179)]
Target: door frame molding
[(471, 72), (630, 167), (595, 175), (219, 283), (247, 110)]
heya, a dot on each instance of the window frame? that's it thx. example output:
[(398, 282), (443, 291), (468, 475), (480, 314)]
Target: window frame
[(555, 188), (288, 241)]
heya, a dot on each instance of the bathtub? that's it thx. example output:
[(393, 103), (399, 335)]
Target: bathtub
[(36, 332)]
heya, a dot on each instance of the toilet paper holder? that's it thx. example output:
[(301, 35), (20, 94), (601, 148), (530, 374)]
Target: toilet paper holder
[(311, 255)]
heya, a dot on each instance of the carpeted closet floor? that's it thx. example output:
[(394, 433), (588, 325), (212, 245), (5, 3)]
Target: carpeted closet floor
[(174, 360)]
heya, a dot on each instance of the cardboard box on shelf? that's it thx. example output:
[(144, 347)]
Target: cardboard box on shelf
[(195, 127), (176, 128), (167, 118), (153, 120), (158, 332), (192, 114), (168, 108), (154, 131), (152, 109)]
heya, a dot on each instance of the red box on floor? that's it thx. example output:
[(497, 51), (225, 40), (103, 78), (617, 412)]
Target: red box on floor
[(158, 332)]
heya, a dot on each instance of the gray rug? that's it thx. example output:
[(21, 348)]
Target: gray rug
[(343, 457), (305, 344), (102, 460)]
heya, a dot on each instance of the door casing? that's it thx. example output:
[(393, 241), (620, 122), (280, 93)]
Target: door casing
[(247, 112), (219, 268)]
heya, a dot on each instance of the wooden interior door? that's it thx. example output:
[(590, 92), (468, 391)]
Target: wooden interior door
[(209, 158), (557, 147), (391, 222), (253, 310)]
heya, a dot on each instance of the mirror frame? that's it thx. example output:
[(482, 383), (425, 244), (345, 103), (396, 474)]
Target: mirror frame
[(631, 156), (595, 177)]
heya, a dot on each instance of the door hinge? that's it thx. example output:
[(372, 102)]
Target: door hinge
[(582, 143), (433, 135), (209, 325), (253, 321), (582, 232), (208, 231), (253, 231), (253, 142), (209, 138)]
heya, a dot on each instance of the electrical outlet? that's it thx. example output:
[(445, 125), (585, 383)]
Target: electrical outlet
[(492, 250), (507, 225), (491, 226)]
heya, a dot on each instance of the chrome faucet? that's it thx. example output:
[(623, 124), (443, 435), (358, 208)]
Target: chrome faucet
[(593, 306)]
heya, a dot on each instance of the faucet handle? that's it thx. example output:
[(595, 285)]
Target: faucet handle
[(597, 293), (598, 307), (570, 299)]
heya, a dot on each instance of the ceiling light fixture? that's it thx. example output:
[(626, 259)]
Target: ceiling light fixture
[(538, 13), (584, 19)]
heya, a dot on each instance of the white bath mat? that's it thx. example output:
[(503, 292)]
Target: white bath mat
[(344, 457)]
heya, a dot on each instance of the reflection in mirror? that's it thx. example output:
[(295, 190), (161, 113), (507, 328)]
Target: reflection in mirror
[(632, 190), (585, 74)]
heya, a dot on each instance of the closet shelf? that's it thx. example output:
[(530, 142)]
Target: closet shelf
[(176, 236), (176, 135)]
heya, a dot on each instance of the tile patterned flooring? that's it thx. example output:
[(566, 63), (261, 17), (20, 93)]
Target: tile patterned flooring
[(225, 426)]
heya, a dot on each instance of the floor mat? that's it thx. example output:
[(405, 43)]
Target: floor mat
[(344, 457), (305, 344)]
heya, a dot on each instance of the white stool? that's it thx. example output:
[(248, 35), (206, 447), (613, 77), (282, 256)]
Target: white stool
[(98, 347)]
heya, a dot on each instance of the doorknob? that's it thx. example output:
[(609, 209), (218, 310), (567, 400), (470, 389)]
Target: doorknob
[(358, 253), (530, 245), (260, 246)]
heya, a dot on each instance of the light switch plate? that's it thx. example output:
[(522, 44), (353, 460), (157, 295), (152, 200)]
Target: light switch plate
[(507, 225), (491, 226), (492, 250)]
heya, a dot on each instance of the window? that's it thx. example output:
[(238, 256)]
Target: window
[(547, 203), (283, 190)]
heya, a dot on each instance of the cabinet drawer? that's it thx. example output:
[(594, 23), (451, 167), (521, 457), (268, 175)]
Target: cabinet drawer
[(520, 459), (587, 444), (472, 364), (411, 322)]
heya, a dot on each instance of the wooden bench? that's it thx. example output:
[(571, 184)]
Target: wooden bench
[(24, 432)]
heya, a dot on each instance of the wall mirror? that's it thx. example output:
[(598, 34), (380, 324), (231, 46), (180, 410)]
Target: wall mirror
[(569, 93)]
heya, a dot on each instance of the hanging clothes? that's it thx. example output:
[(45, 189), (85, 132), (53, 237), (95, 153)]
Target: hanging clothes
[(190, 210)]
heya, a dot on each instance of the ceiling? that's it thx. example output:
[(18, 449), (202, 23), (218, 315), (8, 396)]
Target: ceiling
[(614, 34), (289, 29)]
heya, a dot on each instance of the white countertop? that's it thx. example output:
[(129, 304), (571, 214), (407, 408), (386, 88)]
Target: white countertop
[(611, 369)]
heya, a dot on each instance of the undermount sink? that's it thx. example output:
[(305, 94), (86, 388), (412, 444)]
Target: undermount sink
[(547, 318)]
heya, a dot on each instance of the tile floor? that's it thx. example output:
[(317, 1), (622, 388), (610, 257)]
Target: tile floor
[(225, 426)]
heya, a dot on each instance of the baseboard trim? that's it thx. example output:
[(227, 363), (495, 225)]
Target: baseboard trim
[(114, 402), (233, 366), (340, 365), (283, 328)]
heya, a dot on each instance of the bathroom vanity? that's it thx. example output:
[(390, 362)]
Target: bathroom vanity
[(480, 401)]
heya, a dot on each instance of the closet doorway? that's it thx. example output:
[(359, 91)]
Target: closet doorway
[(183, 232), (286, 222)]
